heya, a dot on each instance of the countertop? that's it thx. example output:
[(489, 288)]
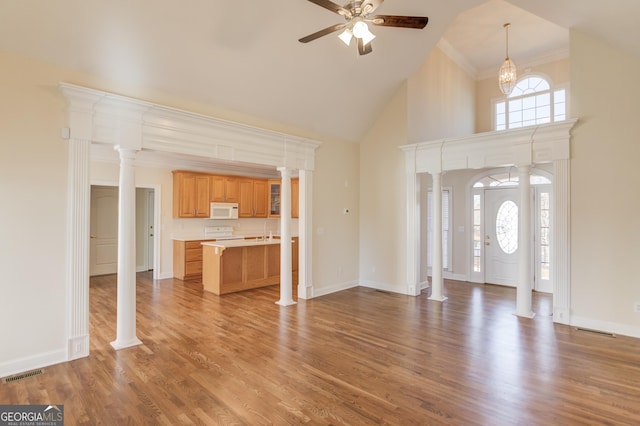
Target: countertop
[(200, 238), (194, 238), (241, 243)]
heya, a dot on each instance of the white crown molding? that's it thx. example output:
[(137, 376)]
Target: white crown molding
[(457, 57), (547, 58), (103, 117)]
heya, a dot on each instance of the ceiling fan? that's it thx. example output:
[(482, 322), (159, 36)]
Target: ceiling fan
[(357, 16)]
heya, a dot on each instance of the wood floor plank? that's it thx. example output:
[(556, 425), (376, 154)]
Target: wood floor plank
[(357, 357)]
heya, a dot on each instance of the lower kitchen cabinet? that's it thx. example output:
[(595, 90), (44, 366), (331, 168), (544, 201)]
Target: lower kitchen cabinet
[(187, 259)]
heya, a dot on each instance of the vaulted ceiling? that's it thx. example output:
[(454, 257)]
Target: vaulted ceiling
[(245, 56)]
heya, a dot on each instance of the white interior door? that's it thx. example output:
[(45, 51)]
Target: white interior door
[(103, 248), (501, 236), (150, 230)]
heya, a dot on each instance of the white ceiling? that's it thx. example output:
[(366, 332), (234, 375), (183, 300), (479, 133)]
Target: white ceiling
[(244, 55)]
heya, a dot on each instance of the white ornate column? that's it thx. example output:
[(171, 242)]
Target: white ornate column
[(285, 238), (80, 110), (523, 290), (305, 233), (78, 204), (561, 236), (437, 283), (126, 304)]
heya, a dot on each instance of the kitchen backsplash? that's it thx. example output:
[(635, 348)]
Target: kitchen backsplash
[(194, 228)]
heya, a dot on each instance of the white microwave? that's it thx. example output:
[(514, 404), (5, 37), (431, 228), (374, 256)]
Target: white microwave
[(223, 211)]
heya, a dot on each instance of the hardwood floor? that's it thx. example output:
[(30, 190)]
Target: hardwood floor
[(357, 357)]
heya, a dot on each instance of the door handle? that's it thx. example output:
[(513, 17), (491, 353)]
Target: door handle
[(487, 244), (93, 236)]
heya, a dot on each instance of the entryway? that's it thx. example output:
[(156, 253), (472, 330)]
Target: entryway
[(495, 243), (103, 246)]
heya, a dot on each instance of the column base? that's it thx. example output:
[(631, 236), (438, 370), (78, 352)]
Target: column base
[(437, 299), (529, 314), (117, 344), (286, 303), (79, 347)]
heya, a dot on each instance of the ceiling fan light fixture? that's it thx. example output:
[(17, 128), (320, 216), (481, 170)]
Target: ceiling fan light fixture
[(346, 36), (367, 37), (360, 28), (507, 75)]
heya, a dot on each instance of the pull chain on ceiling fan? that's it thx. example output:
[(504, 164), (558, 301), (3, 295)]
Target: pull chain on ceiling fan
[(357, 16)]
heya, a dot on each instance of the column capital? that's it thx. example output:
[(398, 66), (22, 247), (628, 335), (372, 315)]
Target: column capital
[(126, 153), (284, 171)]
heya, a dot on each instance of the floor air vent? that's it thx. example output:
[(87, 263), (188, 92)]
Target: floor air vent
[(22, 376), (604, 333)]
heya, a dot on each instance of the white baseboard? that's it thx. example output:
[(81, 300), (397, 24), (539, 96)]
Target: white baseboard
[(456, 277), (387, 287), (334, 288), (33, 362), (165, 275), (605, 326)]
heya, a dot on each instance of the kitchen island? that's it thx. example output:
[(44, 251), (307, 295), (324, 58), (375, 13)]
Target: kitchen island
[(235, 265)]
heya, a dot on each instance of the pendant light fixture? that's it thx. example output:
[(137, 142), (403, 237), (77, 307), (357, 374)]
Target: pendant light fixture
[(507, 75)]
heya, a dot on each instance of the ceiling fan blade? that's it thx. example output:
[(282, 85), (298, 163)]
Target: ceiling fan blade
[(327, 4), (363, 49), (321, 33), (418, 22), (369, 6)]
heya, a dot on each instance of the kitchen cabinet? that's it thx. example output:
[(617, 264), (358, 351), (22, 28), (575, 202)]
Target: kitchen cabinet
[(224, 189), (275, 191), (191, 196), (187, 259), (253, 200)]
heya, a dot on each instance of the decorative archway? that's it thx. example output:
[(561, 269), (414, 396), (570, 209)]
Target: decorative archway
[(505, 178), (522, 148), (131, 125)]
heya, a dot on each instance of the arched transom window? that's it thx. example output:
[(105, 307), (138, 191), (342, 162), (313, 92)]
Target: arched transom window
[(531, 102)]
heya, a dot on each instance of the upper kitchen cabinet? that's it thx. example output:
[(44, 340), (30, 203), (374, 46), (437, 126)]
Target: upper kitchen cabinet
[(253, 197), (225, 189), (191, 194), (275, 191)]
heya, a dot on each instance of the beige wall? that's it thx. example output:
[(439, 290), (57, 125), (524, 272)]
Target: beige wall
[(604, 183), (33, 183), (441, 98), (383, 199), (487, 91), (336, 186)]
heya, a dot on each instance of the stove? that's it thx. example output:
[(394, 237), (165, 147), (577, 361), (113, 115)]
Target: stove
[(221, 233)]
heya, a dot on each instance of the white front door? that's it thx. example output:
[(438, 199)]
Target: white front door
[(501, 236), (103, 249)]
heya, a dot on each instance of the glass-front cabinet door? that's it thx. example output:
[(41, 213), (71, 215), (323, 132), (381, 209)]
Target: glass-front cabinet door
[(274, 197), (275, 191)]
